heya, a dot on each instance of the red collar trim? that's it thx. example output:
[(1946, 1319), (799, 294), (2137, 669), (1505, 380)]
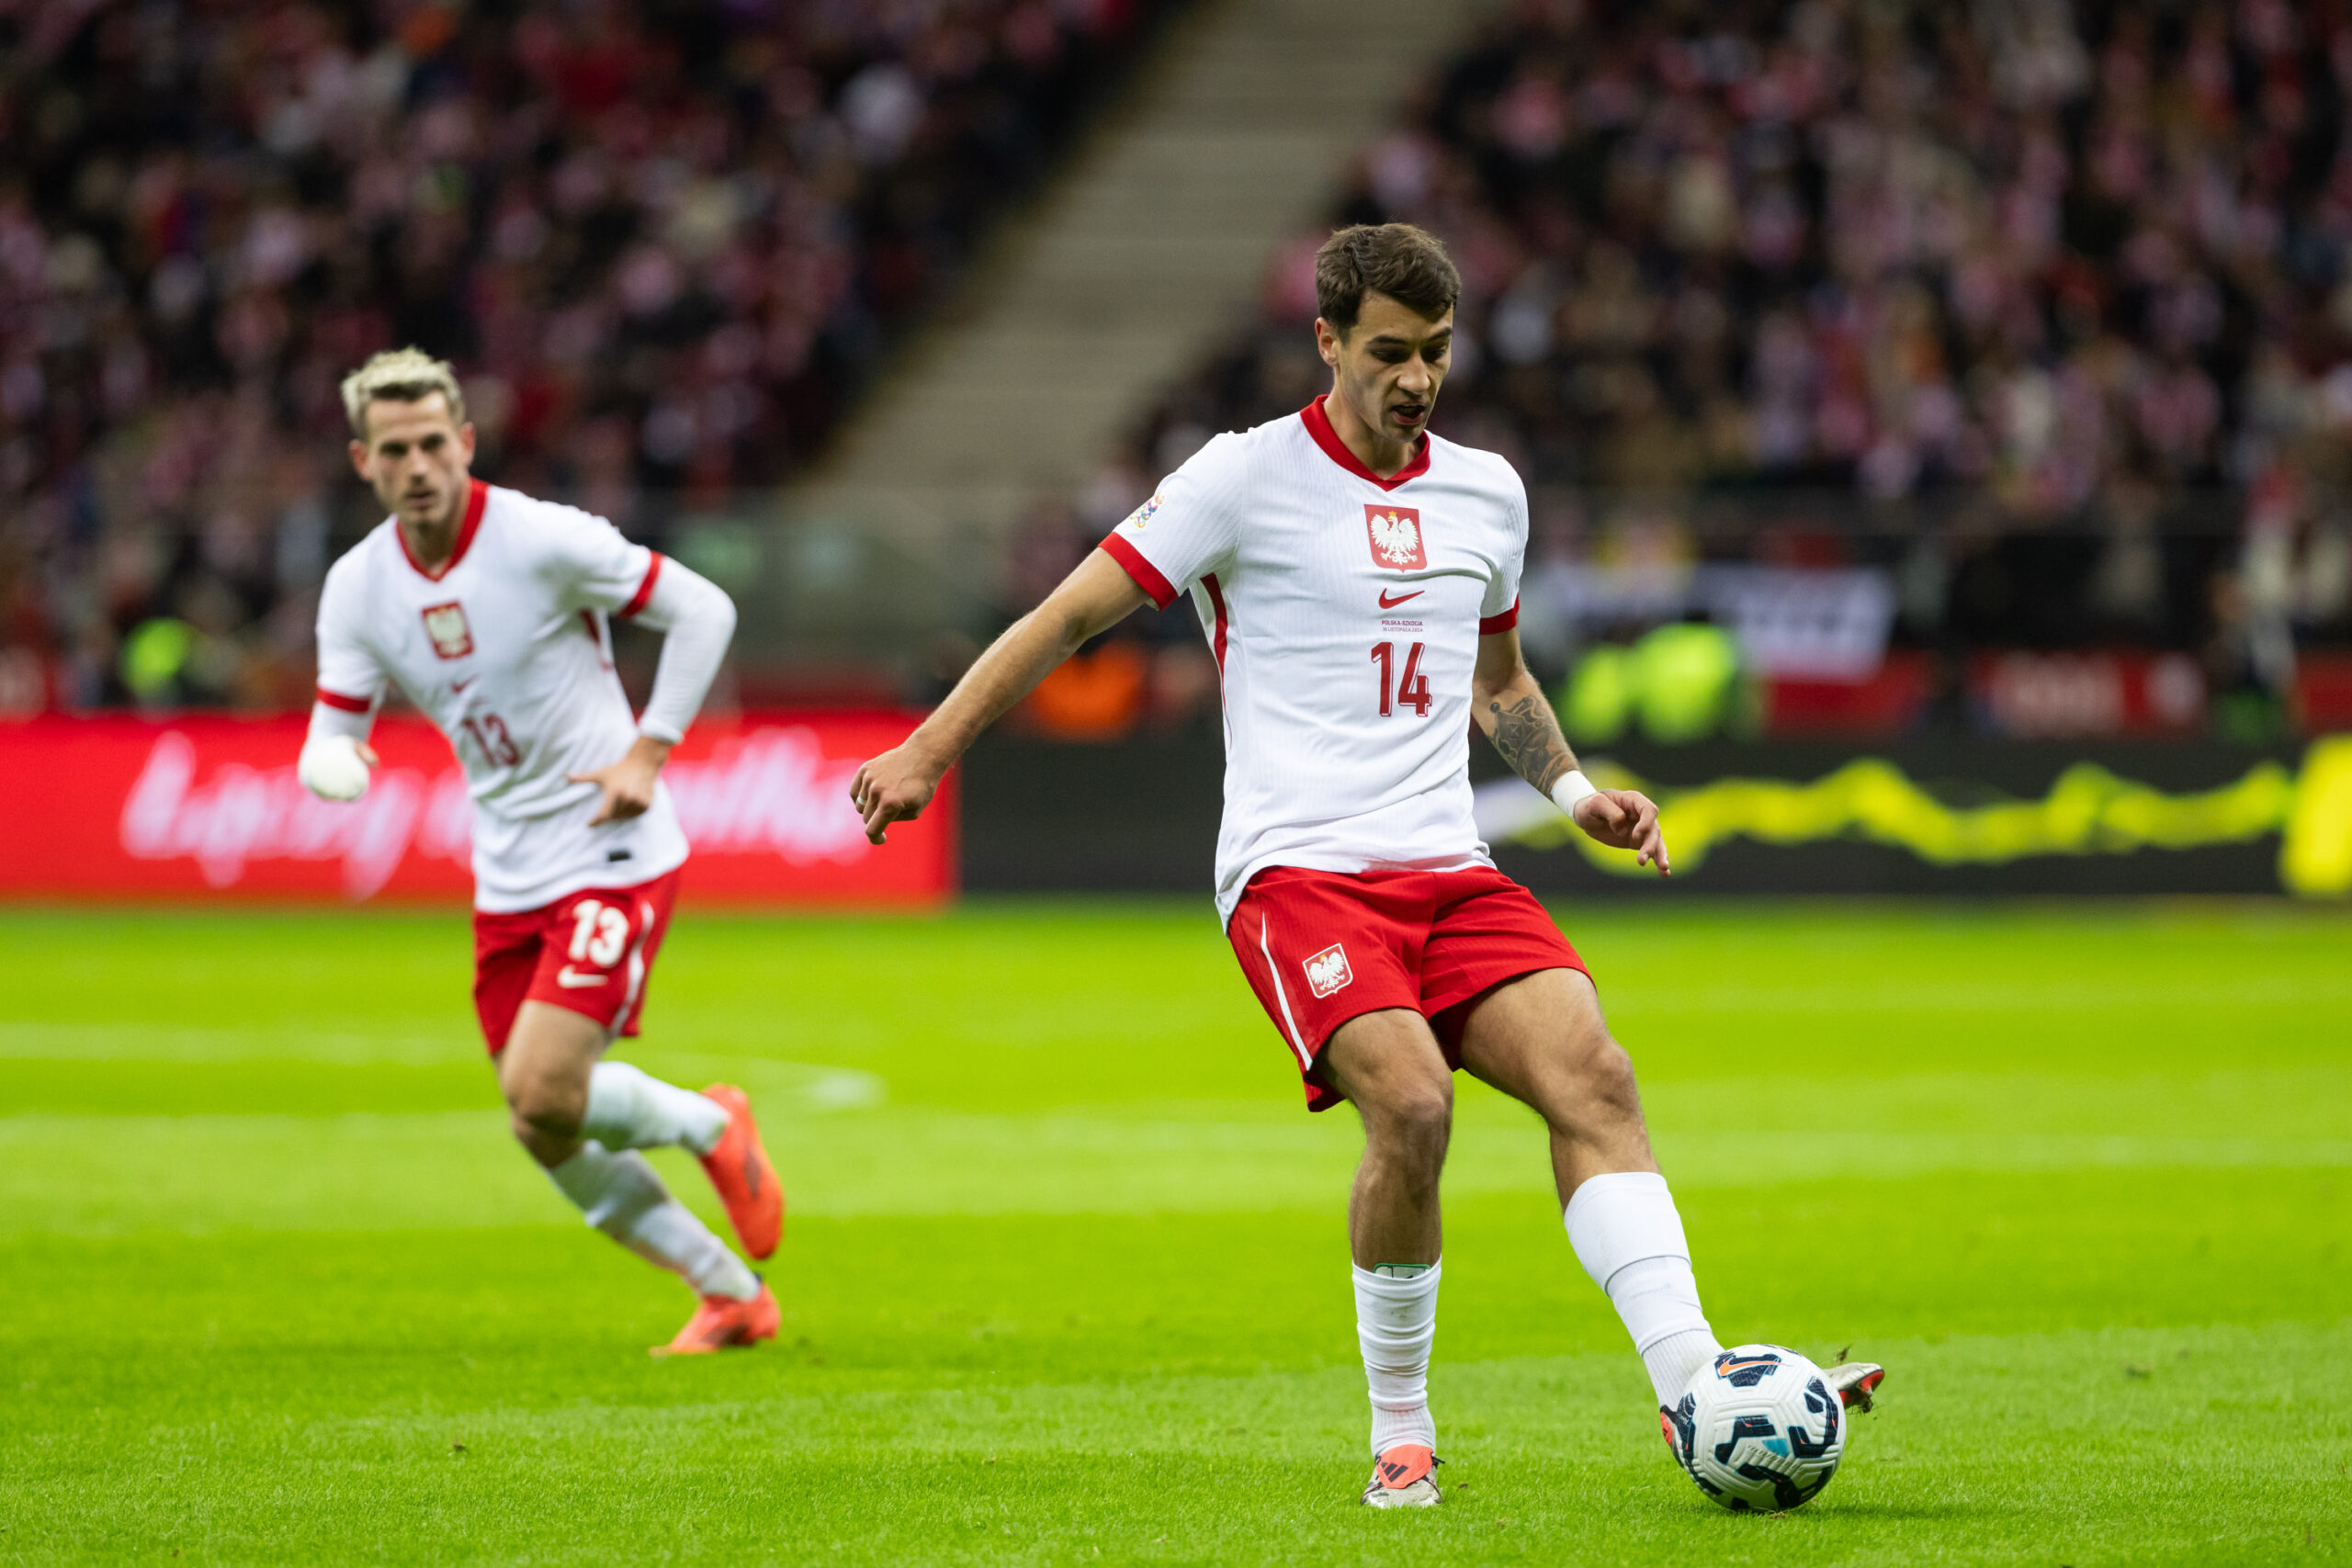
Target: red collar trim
[(477, 498), (1318, 425)]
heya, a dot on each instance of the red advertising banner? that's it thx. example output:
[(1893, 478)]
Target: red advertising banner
[(209, 806)]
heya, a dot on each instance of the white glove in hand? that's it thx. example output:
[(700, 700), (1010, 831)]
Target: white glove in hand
[(333, 767)]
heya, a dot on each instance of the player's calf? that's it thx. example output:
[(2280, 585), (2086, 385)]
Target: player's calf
[(630, 1109), (1396, 1328), (619, 1194), (1389, 1065), (1628, 1234)]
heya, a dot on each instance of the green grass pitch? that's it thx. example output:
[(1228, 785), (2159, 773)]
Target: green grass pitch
[(1065, 1281)]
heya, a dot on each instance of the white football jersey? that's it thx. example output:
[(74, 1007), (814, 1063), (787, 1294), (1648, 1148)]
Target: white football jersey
[(1345, 611), (508, 650)]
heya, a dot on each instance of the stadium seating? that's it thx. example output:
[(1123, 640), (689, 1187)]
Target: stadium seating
[(665, 242)]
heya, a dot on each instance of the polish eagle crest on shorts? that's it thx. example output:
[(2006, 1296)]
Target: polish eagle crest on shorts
[(1395, 537), (1328, 971)]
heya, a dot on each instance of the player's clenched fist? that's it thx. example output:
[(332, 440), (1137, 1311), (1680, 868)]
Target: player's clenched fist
[(1625, 819), (890, 788)]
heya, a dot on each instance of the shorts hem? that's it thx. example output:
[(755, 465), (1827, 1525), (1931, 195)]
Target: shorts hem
[(625, 1029), (1414, 940), (1329, 1096), (1436, 1007)]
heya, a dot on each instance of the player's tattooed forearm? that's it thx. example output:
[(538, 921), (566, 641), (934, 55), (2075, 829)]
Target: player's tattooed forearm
[(1528, 737)]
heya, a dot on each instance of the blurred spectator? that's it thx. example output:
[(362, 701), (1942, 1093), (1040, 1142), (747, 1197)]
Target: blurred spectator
[(665, 241)]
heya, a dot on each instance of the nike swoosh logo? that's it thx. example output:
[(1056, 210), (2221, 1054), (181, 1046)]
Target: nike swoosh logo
[(572, 979), (461, 686), (1388, 603)]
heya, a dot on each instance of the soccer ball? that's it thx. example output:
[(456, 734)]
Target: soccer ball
[(1758, 1427)]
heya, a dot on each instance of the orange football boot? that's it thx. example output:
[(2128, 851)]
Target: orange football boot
[(1401, 1479), (720, 1322), (739, 1169)]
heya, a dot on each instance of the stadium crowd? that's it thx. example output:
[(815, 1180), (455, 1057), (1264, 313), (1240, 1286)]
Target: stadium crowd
[(666, 240), (2044, 311), (2048, 310)]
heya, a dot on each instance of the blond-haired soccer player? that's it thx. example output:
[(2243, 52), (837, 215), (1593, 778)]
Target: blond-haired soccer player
[(492, 612), (1358, 581)]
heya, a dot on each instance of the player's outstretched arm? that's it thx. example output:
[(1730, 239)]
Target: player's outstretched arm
[(1511, 708), (1092, 600)]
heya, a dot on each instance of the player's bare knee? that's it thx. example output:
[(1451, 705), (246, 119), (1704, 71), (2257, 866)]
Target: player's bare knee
[(541, 1110), (1414, 1122), (1608, 1088)]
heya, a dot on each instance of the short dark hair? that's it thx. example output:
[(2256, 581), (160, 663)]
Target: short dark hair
[(1406, 264)]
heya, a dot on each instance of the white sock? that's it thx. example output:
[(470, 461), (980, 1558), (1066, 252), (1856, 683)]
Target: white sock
[(1396, 1324), (621, 1196), (632, 1109), (1629, 1238)]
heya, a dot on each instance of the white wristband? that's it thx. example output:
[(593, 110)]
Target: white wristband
[(1572, 788)]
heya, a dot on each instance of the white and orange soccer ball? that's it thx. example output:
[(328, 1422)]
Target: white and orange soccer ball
[(1758, 1427)]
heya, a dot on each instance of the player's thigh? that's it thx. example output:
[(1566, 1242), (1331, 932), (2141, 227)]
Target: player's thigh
[(507, 961), (550, 1052), (1389, 1064), (1542, 1040)]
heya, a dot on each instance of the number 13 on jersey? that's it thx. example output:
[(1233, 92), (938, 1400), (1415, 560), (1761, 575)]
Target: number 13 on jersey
[(490, 734), (1412, 691)]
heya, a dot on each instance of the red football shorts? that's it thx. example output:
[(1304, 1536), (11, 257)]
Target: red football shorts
[(1321, 947), (589, 950)]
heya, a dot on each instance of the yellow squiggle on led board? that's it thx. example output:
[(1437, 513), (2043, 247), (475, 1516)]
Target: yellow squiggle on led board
[(2088, 811)]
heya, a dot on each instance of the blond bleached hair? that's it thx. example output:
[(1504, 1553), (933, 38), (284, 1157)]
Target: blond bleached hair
[(402, 376)]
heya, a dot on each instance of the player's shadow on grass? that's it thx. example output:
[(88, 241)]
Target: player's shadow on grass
[(1891, 1512)]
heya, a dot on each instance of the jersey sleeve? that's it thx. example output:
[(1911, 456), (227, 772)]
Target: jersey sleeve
[(592, 566), (351, 680), (1498, 612), (1190, 527)]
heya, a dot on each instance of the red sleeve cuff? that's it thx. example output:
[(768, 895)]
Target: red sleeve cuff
[(1146, 575), (1490, 625), (644, 590), (348, 704)]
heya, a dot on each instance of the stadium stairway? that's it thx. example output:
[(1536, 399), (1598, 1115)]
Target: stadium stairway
[(1148, 246)]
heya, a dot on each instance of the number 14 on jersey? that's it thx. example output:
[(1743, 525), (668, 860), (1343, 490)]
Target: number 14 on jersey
[(1412, 691)]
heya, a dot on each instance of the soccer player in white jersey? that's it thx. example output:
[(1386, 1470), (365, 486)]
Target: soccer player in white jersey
[(491, 613), (1358, 580)]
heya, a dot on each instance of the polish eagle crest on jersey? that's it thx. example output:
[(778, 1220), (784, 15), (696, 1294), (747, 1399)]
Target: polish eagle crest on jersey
[(1328, 971), (446, 624), (1395, 537)]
